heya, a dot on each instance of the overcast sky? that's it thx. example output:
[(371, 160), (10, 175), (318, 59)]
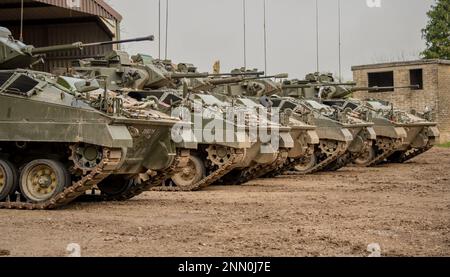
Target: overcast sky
[(203, 31)]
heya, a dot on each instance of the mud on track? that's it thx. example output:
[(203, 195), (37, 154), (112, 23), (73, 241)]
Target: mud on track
[(403, 207)]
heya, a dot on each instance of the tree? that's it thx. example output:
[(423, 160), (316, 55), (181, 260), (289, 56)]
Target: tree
[(437, 31)]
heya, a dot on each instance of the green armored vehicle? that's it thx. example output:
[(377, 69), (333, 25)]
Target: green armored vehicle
[(61, 137), (221, 86), (336, 138), (421, 134), (241, 95), (362, 131), (146, 79), (401, 136)]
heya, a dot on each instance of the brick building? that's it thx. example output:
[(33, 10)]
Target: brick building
[(431, 76)]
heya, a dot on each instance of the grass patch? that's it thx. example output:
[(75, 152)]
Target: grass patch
[(445, 145)]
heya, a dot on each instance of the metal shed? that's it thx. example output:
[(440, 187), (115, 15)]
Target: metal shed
[(50, 22)]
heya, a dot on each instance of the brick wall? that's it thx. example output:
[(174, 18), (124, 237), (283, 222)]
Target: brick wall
[(444, 101), (435, 93)]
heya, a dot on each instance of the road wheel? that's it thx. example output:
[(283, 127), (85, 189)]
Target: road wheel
[(234, 178), (40, 180), (306, 164), (115, 186), (366, 157), (191, 174), (8, 179)]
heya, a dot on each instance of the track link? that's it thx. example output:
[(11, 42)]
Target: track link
[(341, 162), (412, 153), (237, 156), (263, 170), (290, 163), (110, 163), (138, 187), (385, 148), (340, 150)]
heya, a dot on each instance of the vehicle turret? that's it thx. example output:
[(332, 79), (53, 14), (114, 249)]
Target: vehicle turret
[(324, 86), (15, 54)]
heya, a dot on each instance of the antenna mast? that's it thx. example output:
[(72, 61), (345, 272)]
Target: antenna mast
[(317, 35), (159, 29), (339, 31), (245, 33), (21, 21), (167, 27), (265, 38)]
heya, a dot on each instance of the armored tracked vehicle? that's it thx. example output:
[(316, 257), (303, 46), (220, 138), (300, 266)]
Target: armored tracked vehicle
[(57, 144), (303, 136), (251, 93), (334, 139), (401, 136), (61, 137), (421, 134), (363, 133), (146, 79)]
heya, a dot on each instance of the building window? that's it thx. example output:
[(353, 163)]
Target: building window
[(416, 78), (381, 79)]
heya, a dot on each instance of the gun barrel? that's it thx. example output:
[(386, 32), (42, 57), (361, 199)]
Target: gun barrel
[(381, 88), (239, 79), (80, 45), (277, 76), (56, 48), (259, 73), (314, 85), (224, 81), (147, 38), (186, 75), (354, 89), (296, 86), (343, 84)]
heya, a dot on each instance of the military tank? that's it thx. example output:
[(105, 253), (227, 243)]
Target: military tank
[(15, 54), (61, 137), (401, 136), (144, 78), (251, 92), (422, 134), (303, 136), (334, 137), (363, 133), (332, 130)]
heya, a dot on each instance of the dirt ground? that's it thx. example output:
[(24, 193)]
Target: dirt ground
[(405, 208)]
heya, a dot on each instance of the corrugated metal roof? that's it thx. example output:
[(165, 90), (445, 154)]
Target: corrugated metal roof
[(95, 7), (38, 13)]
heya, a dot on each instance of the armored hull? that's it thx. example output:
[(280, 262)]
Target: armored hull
[(421, 134), (334, 138), (253, 94), (220, 138), (400, 135), (146, 80), (57, 144)]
